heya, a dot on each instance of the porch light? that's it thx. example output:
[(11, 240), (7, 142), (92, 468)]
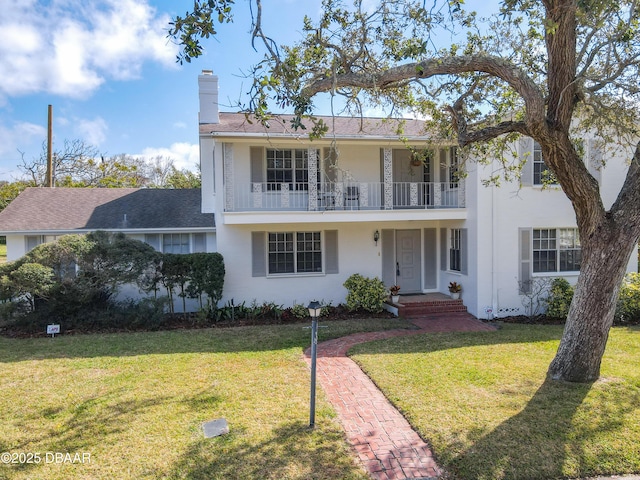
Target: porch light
[(376, 237), (314, 310)]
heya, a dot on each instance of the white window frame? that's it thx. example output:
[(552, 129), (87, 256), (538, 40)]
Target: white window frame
[(455, 250), (298, 167), (184, 242), (554, 242), (541, 173), (277, 240)]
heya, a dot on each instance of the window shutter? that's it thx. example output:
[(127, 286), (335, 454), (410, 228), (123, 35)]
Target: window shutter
[(199, 242), (257, 164), (595, 159), (33, 241), (388, 257), (258, 254), (152, 239), (331, 251), (525, 152), (444, 252), (525, 271), (430, 258), (464, 252)]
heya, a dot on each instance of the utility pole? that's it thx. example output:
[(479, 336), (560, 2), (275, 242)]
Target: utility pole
[(49, 182)]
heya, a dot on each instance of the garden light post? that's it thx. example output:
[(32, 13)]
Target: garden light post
[(314, 310)]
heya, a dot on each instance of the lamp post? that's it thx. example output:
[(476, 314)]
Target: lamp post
[(314, 310)]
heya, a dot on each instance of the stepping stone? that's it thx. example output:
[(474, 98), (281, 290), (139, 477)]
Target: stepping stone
[(215, 428)]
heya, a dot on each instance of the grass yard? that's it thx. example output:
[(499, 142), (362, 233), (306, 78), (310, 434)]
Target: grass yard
[(133, 404), (482, 401)]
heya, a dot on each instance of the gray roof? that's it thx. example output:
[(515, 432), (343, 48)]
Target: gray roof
[(68, 209), (342, 127)]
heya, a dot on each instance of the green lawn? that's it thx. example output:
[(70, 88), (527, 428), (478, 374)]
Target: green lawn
[(135, 404), (482, 401)]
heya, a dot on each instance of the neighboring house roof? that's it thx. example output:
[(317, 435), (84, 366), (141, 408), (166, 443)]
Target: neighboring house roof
[(341, 127), (68, 209)]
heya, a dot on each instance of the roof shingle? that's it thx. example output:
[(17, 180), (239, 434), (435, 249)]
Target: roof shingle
[(346, 127), (66, 209)]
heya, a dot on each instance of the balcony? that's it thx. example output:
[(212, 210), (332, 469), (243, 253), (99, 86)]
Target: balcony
[(304, 197)]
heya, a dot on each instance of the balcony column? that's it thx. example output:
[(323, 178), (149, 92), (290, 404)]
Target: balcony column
[(227, 159), (387, 165), (312, 165)]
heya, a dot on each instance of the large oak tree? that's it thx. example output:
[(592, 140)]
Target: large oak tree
[(540, 68)]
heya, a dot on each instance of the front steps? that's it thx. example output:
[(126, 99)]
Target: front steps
[(418, 308)]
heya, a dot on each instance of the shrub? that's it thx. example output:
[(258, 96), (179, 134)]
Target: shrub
[(366, 293), (559, 299), (628, 307)]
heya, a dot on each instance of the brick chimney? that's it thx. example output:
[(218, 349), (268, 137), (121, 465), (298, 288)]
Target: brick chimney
[(208, 93)]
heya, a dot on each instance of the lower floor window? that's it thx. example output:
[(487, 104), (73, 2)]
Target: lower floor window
[(556, 250), (175, 243), (294, 252), (455, 250)]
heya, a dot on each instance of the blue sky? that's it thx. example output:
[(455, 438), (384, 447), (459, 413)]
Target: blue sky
[(109, 71)]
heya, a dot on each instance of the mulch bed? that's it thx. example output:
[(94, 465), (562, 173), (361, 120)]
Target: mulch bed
[(191, 322)]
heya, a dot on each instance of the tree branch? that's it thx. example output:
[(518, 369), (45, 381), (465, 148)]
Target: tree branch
[(392, 77)]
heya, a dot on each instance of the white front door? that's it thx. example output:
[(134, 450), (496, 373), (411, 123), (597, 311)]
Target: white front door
[(408, 261)]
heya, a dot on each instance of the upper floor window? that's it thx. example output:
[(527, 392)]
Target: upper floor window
[(556, 250), (288, 167), (541, 173)]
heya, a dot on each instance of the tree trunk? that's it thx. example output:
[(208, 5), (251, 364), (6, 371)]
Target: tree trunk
[(604, 262)]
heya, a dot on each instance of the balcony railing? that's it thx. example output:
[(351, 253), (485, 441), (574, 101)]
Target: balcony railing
[(344, 196)]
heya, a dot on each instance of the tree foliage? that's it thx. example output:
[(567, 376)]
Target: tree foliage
[(77, 274), (78, 164), (548, 69)]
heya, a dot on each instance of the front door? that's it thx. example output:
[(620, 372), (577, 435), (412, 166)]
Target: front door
[(408, 272)]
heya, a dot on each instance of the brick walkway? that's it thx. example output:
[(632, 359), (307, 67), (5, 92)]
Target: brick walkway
[(381, 437)]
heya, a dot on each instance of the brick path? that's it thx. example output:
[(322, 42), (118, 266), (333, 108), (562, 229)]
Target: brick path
[(384, 441)]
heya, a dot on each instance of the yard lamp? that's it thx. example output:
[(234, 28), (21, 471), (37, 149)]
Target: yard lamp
[(314, 310)]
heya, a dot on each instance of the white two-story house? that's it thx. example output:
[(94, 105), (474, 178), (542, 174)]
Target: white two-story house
[(295, 218)]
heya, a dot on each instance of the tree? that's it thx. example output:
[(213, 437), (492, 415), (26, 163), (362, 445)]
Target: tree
[(548, 69), (10, 190), (79, 164)]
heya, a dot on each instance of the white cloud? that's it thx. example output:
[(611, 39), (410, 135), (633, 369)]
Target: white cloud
[(71, 47), (17, 138), (185, 155), (94, 132)]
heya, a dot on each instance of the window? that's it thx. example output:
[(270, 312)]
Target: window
[(570, 250), (556, 250), (455, 250), (288, 166), (298, 252), (541, 173), (175, 243), (32, 241)]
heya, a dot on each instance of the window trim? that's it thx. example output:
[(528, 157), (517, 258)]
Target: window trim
[(294, 171), (557, 249), (539, 168), (295, 253), (455, 250)]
